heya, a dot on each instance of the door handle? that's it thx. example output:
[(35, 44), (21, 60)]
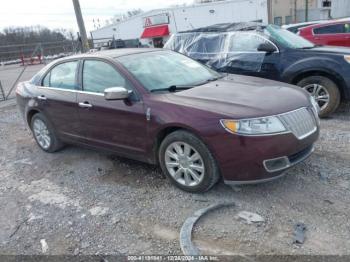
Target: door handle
[(85, 105), (42, 97)]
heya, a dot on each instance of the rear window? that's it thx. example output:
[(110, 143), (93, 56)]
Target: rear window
[(331, 29), (62, 76)]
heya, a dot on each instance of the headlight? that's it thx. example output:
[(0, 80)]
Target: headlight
[(347, 58), (254, 126)]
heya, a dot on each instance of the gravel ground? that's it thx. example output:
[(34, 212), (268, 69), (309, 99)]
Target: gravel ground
[(80, 201)]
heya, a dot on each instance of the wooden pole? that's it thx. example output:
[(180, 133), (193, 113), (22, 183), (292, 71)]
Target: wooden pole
[(81, 25), (306, 10)]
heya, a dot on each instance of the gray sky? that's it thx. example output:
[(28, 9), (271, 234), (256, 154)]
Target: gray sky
[(60, 13)]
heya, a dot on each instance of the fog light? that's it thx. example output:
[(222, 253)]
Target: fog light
[(277, 164)]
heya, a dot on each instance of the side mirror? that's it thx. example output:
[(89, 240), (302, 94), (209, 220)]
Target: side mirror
[(117, 93), (267, 47)]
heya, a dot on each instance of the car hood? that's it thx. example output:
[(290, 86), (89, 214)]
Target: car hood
[(331, 49), (242, 97)]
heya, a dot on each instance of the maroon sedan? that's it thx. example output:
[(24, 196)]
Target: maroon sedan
[(159, 106)]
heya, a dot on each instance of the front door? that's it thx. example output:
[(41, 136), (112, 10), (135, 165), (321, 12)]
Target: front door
[(119, 125), (57, 99), (244, 58)]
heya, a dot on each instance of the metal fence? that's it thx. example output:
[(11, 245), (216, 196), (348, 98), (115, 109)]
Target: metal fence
[(34, 53), (21, 62)]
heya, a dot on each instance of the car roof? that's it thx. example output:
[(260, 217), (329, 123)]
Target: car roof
[(114, 53), (228, 27), (304, 24), (333, 22)]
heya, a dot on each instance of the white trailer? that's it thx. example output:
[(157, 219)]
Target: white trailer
[(153, 28)]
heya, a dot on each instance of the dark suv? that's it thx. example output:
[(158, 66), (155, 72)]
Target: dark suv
[(273, 53)]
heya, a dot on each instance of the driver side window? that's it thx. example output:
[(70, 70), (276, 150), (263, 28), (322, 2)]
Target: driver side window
[(246, 42)]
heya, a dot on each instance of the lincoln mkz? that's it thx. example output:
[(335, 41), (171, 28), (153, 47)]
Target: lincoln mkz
[(161, 107)]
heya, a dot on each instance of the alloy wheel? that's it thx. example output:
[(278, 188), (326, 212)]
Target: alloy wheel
[(184, 164), (41, 133), (319, 93)]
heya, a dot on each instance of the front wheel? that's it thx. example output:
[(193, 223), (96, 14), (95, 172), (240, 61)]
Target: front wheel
[(325, 92), (188, 163)]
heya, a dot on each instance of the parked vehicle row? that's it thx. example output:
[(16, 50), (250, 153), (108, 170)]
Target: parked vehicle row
[(273, 53), (164, 108)]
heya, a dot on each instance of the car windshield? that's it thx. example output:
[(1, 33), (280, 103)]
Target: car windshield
[(160, 70), (286, 38)]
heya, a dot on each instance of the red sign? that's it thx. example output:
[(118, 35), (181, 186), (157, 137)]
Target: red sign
[(160, 19), (148, 22)]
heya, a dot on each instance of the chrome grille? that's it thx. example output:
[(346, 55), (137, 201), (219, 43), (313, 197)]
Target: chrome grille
[(300, 122)]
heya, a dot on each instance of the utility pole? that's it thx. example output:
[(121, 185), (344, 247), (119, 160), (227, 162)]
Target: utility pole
[(269, 11), (295, 11), (81, 25), (306, 10)]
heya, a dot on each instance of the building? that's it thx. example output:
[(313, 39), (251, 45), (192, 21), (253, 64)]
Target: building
[(153, 28), (295, 11)]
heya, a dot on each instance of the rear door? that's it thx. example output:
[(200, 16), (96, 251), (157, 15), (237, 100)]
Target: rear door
[(244, 58), (336, 34), (57, 98), (119, 125)]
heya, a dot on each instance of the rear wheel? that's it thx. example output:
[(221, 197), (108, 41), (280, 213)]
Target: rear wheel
[(44, 134), (187, 162), (325, 92)]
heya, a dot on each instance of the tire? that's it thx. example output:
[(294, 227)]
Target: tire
[(53, 142), (184, 166), (330, 87)]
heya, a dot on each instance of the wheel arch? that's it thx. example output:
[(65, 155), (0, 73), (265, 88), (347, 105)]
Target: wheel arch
[(335, 77), (164, 132), (29, 116)]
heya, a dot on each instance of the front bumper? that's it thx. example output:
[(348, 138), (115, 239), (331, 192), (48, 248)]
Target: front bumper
[(244, 160), (280, 167)]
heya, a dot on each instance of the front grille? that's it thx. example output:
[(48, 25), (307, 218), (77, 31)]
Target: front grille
[(300, 122)]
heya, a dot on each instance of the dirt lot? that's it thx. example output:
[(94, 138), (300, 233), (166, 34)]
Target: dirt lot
[(85, 202)]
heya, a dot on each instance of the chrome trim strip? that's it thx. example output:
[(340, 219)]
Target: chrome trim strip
[(278, 169), (70, 90)]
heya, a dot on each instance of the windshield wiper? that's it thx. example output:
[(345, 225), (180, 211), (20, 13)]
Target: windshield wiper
[(210, 80), (172, 88)]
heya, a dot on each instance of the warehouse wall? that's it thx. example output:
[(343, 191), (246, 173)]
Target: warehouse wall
[(340, 8), (190, 17)]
